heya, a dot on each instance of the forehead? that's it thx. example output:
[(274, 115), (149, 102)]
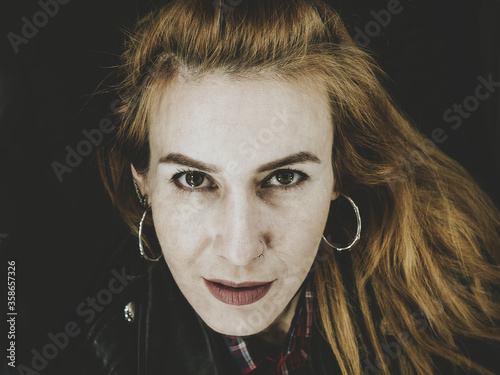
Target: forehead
[(217, 118)]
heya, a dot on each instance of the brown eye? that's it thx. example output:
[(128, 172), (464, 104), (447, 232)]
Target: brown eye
[(194, 179), (285, 177), (191, 181)]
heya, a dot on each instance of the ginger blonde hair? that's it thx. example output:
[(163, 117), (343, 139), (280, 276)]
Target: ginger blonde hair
[(430, 235)]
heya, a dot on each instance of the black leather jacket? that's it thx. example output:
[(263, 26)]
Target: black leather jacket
[(168, 337)]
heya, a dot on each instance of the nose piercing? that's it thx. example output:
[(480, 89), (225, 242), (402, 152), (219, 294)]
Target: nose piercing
[(261, 256)]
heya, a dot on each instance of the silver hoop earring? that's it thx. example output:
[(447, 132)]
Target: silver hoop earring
[(142, 199), (141, 249), (261, 256), (358, 229)]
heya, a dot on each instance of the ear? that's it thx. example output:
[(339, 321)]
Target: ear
[(140, 178), (335, 195)]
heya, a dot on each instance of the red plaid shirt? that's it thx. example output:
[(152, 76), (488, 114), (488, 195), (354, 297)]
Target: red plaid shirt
[(293, 359)]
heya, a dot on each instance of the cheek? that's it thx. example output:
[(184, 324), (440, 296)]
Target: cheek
[(302, 223), (181, 230)]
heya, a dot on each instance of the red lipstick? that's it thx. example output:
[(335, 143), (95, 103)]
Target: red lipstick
[(237, 293)]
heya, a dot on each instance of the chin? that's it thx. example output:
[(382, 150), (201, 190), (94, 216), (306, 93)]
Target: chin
[(235, 329), (234, 323)]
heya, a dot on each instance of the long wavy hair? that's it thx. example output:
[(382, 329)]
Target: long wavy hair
[(426, 271)]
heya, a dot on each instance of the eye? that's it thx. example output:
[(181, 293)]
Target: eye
[(192, 180), (285, 178)]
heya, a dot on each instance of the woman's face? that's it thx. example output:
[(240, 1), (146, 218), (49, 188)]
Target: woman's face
[(235, 163)]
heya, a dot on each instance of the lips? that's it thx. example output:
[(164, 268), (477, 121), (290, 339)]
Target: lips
[(237, 294)]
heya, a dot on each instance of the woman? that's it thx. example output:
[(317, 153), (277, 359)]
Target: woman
[(258, 142)]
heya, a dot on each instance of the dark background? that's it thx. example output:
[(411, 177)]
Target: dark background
[(61, 233)]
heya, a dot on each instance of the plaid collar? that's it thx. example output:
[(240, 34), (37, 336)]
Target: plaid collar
[(293, 359)]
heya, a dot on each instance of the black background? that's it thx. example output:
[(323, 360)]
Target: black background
[(60, 233)]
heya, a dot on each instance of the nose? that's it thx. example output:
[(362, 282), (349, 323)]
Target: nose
[(240, 221)]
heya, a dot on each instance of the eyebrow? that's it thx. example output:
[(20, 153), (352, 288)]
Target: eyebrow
[(297, 158), (175, 158)]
